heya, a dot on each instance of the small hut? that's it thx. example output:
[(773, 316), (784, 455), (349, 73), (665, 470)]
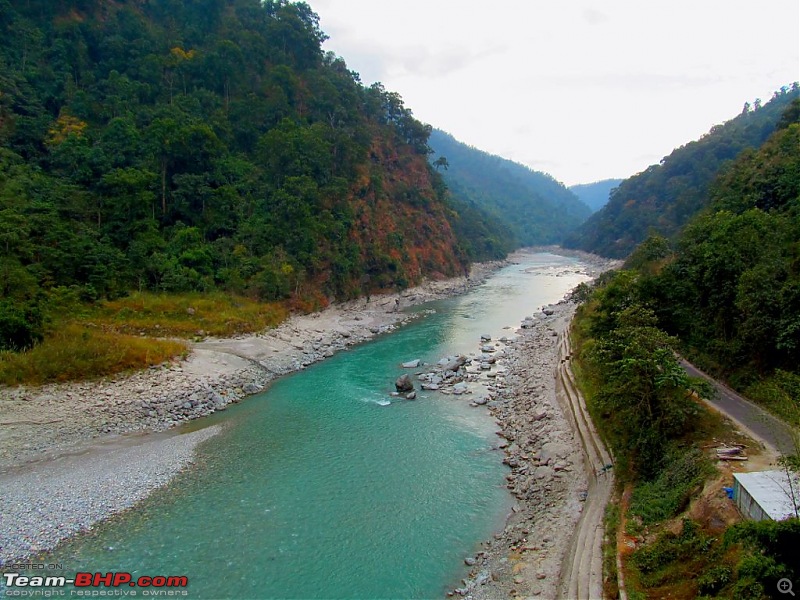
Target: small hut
[(767, 495)]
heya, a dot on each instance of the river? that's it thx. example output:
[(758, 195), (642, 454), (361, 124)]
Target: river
[(318, 488)]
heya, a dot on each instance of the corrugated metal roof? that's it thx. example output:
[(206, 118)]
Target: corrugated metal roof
[(772, 491)]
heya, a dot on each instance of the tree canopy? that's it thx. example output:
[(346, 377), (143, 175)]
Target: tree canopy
[(182, 146), (664, 197)]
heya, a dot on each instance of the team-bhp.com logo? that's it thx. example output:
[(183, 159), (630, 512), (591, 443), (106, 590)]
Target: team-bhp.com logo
[(90, 584)]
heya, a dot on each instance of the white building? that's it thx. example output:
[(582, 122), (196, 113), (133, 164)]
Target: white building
[(767, 495)]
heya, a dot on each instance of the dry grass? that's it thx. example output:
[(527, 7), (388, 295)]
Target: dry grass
[(77, 351), (187, 315), (129, 334)]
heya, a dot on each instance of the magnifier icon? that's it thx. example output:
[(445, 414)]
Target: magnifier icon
[(785, 586)]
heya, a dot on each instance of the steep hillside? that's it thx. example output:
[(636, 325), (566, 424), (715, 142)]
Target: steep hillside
[(595, 195), (731, 291), (727, 294), (665, 196), (180, 147), (536, 208)]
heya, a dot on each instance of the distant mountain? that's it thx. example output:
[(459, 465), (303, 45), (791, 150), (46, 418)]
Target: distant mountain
[(595, 195), (533, 206), (665, 196)]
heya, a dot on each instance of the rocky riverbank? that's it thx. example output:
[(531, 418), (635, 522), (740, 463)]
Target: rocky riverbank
[(52, 434), (546, 476)]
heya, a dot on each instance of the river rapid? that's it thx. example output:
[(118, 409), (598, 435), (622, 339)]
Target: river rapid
[(324, 486)]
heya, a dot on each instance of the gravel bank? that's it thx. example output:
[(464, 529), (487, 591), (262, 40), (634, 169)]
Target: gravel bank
[(546, 477), (49, 502), (40, 423), (68, 456)]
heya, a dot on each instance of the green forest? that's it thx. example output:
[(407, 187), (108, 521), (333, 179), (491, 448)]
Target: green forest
[(665, 196), (725, 293), (531, 207), (178, 147)]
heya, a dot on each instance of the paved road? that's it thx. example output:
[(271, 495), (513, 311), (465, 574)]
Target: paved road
[(772, 431)]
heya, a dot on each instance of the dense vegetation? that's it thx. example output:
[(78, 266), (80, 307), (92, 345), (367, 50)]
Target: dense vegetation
[(730, 290), (192, 146), (664, 197), (533, 206), (727, 293), (595, 195)]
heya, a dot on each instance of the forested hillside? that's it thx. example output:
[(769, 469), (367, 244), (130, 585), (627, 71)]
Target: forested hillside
[(665, 196), (595, 195), (533, 206), (726, 293), (178, 146), (731, 290)]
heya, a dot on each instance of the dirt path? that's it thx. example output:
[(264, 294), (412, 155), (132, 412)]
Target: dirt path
[(582, 570)]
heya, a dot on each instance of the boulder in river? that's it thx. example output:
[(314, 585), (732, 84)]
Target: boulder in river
[(404, 384), (453, 364), (412, 364), (411, 396)]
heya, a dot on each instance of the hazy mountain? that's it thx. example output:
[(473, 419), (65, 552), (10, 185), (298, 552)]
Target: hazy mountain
[(535, 207), (595, 195), (665, 196)]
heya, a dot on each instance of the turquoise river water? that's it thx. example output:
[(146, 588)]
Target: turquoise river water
[(317, 489)]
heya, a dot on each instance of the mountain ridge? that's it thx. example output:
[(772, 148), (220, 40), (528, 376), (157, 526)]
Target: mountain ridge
[(533, 206), (663, 197)]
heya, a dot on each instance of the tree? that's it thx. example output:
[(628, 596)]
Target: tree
[(441, 163)]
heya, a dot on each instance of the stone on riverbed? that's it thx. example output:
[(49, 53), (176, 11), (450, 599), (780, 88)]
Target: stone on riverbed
[(460, 388), (404, 384), (453, 364), (412, 364), (251, 388)]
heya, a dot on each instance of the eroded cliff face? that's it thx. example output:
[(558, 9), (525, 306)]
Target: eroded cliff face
[(401, 224)]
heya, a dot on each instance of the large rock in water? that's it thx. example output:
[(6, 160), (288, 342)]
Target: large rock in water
[(404, 384), (454, 364)]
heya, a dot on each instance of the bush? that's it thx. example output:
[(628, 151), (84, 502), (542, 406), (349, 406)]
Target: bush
[(770, 551), (682, 474), (713, 580), (20, 327)]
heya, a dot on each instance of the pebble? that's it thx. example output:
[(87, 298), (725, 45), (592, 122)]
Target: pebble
[(157, 399), (43, 506)]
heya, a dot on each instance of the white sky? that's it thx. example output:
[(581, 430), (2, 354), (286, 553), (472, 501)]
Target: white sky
[(583, 90)]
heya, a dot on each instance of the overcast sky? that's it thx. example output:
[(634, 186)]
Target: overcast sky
[(581, 90)]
